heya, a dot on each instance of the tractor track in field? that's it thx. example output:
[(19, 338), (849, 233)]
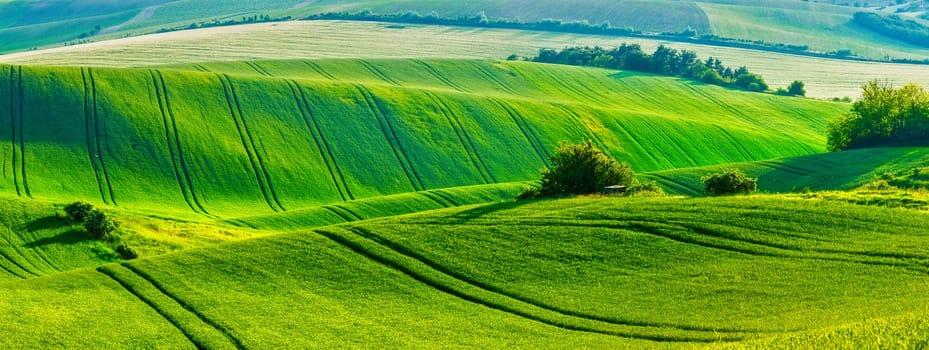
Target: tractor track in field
[(669, 141), (110, 272), (88, 121), (13, 129), (322, 144), (464, 138), (176, 151), (378, 73), (343, 212), (526, 130), (258, 68), (437, 199), (7, 257), (493, 78), (744, 152), (577, 119), (25, 262), (435, 73), (315, 67), (391, 135), (261, 174), (512, 305), (95, 146), (200, 68), (678, 183), (445, 197), (17, 95)]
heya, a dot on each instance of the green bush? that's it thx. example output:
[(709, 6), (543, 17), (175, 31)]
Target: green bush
[(582, 169), (126, 251), (732, 181), (99, 225), (78, 211), (645, 189)]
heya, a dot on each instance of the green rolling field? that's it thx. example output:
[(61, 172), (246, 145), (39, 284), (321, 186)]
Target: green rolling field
[(592, 273), (283, 135)]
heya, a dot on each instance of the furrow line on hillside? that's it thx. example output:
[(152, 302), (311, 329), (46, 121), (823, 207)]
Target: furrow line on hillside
[(8, 258), (743, 151), (437, 199), (648, 151), (423, 273), (578, 94), (325, 152), (315, 67), (171, 142), (490, 76), (24, 262), (96, 132), (693, 190), (233, 107), (38, 251), (182, 157), (345, 217), (257, 147), (378, 73), (200, 330), (349, 212), (8, 271), (787, 168), (201, 68), (670, 141), (14, 146), (258, 68), (88, 134), (439, 76), (391, 136), (445, 197), (463, 138), (526, 130), (580, 121), (402, 250), (22, 134)]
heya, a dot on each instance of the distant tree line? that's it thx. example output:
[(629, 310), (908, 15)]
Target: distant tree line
[(664, 61), (895, 27), (884, 116), (228, 22)]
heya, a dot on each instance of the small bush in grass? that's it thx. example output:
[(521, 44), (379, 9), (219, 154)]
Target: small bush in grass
[(732, 181), (580, 169), (645, 189), (126, 251), (99, 225), (78, 210)]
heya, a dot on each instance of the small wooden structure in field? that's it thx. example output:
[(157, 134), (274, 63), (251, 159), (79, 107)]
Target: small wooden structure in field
[(613, 190)]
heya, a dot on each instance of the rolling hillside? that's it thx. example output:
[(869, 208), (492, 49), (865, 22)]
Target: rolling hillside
[(283, 135), (608, 273)]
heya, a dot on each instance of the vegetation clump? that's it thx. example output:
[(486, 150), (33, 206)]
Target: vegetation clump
[(664, 61), (78, 211), (893, 26), (729, 182), (100, 227), (884, 116), (580, 169)]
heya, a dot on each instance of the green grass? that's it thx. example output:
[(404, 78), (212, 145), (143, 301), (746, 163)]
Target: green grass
[(272, 136), (337, 39), (828, 171), (593, 273)]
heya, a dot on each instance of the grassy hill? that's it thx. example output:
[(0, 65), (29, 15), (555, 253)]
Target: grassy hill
[(607, 273), (830, 171), (824, 78), (281, 135)]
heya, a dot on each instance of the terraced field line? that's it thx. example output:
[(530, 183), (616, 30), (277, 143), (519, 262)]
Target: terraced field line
[(14, 146), (221, 329), (181, 181), (338, 179), (377, 72), (466, 143), (391, 136), (235, 111), (88, 121), (96, 132), (494, 79), (440, 76), (319, 70), (433, 197), (258, 68), (507, 304), (524, 127), (400, 249)]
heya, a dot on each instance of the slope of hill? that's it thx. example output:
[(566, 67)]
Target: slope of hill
[(556, 274), (824, 78), (276, 136), (830, 171)]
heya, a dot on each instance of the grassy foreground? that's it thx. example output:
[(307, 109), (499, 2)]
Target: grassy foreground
[(759, 271)]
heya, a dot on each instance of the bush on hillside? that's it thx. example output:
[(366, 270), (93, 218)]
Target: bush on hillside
[(581, 169), (884, 116), (126, 252), (732, 181), (99, 225), (645, 189), (78, 211)]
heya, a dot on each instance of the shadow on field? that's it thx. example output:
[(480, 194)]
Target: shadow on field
[(69, 236), (483, 210)]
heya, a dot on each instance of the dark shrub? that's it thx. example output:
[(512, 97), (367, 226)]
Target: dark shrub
[(99, 225), (645, 189), (582, 169), (732, 181), (126, 251), (78, 210)]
